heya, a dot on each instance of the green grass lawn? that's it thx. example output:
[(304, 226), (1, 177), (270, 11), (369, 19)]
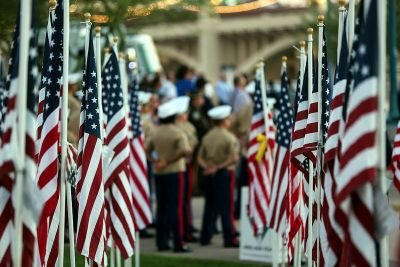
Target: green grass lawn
[(154, 260)]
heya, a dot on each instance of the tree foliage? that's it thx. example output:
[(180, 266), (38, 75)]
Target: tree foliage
[(119, 12)]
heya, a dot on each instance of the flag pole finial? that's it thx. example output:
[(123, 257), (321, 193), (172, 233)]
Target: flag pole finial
[(52, 4), (284, 58), (121, 55), (87, 16), (310, 30), (321, 19), (115, 39), (97, 29), (302, 44), (342, 3), (106, 50)]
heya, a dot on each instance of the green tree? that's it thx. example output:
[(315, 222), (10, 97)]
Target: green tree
[(119, 12)]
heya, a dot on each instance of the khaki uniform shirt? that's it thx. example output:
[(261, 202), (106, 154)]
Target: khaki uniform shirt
[(74, 109), (147, 125), (188, 129), (168, 140), (218, 145)]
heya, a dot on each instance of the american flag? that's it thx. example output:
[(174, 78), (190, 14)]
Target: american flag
[(259, 157), (48, 165), (118, 170), (91, 230), (310, 144), (300, 124), (358, 148), (31, 202), (7, 145), (138, 164), (332, 215), (326, 96), (277, 218), (296, 202), (43, 82), (396, 158)]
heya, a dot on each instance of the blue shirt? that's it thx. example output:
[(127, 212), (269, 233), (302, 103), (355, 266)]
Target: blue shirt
[(184, 87)]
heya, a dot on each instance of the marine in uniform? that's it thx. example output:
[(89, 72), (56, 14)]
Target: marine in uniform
[(218, 151), (182, 106), (167, 149), (145, 111)]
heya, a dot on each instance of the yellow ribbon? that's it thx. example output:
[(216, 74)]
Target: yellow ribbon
[(262, 139)]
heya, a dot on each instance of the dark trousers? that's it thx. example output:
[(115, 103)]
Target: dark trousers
[(218, 202), (187, 203), (242, 180), (169, 191)]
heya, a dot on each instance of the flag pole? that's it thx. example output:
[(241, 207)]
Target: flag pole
[(112, 256), (382, 5), (99, 85), (118, 253), (297, 252), (264, 95), (25, 20), (311, 167), (260, 70), (350, 19), (320, 144), (281, 253), (342, 9), (137, 250), (64, 122)]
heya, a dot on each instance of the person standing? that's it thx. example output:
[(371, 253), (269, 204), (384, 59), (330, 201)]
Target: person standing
[(182, 105), (184, 81), (224, 90), (242, 106), (167, 149), (218, 151)]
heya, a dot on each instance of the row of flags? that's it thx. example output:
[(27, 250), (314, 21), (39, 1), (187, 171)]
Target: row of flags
[(108, 168), (324, 153)]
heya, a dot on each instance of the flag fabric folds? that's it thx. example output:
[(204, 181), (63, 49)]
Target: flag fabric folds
[(49, 142), (139, 179), (277, 218), (91, 230), (332, 215), (32, 204), (396, 158), (116, 178), (358, 148), (259, 157)]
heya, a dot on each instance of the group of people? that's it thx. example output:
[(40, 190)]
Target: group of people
[(195, 136)]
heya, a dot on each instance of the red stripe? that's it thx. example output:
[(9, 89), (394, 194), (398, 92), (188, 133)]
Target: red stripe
[(337, 101), (115, 130), (88, 206), (366, 106)]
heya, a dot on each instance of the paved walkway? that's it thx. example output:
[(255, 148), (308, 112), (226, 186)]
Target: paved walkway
[(216, 250)]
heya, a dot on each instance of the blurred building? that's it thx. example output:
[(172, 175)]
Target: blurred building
[(235, 36)]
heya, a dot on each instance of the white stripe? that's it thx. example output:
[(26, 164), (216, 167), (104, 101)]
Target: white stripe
[(360, 237), (50, 123), (52, 233)]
